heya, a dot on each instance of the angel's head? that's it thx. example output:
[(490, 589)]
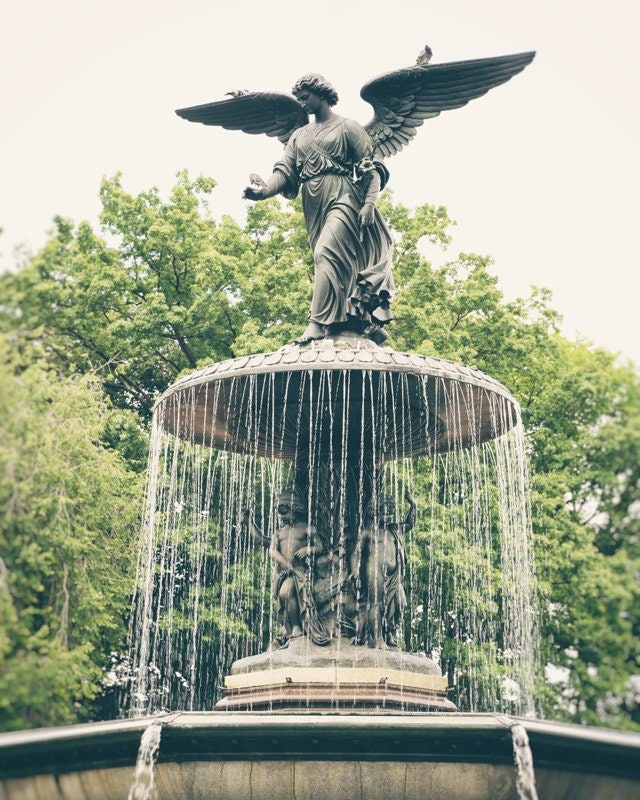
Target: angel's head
[(314, 84)]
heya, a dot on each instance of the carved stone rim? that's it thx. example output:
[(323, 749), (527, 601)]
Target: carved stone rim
[(337, 354), (335, 676)]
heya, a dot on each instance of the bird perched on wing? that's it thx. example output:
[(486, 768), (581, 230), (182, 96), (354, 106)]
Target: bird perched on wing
[(424, 56), (237, 92)]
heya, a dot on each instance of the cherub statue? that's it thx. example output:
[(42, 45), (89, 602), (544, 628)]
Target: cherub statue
[(338, 167), (294, 548), (377, 568)]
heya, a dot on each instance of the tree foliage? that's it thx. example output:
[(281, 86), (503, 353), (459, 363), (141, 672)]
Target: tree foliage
[(69, 506), (164, 288)]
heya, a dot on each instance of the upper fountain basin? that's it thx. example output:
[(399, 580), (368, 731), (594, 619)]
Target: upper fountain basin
[(345, 390)]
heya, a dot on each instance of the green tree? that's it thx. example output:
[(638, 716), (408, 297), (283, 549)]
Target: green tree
[(68, 511), (581, 413), (138, 311)]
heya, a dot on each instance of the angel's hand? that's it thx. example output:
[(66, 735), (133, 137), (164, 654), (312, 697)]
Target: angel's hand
[(254, 193), (257, 189), (367, 215)]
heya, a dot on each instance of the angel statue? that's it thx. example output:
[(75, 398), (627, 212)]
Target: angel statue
[(339, 168)]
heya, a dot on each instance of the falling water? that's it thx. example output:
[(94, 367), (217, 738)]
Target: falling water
[(525, 776), (203, 596), (142, 787)]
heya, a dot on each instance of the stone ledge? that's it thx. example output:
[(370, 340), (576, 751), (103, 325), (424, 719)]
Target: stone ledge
[(331, 697), (341, 653), (340, 353), (338, 676)]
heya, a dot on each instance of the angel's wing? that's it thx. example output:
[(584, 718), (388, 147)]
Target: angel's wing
[(255, 112), (403, 99)]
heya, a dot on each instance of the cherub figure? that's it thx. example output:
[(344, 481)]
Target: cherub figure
[(377, 569), (294, 548), (338, 167)]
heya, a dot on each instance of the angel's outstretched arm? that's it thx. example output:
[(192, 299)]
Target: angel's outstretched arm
[(283, 180)]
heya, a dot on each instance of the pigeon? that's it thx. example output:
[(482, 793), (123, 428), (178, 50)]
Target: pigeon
[(256, 180), (424, 56)]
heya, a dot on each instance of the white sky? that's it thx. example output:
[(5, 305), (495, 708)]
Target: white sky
[(542, 173)]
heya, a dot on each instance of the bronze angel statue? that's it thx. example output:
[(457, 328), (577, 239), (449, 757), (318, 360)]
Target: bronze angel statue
[(339, 168)]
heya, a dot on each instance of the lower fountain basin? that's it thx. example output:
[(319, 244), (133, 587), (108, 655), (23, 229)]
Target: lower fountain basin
[(321, 756)]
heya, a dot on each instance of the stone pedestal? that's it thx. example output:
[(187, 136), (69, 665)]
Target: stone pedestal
[(338, 677)]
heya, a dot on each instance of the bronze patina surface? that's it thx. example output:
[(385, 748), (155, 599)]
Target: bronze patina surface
[(218, 405), (339, 168)]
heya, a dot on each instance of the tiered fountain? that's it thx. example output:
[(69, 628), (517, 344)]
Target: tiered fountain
[(348, 418), (296, 470)]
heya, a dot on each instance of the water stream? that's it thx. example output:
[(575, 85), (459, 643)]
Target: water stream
[(142, 787), (523, 759)]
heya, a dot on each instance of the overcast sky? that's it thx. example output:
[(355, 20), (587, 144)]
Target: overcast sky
[(542, 173)]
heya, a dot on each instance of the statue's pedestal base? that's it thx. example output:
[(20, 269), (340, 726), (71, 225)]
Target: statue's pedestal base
[(334, 690), (339, 677)]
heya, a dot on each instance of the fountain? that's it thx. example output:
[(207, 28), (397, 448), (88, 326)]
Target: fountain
[(328, 528), (325, 440)]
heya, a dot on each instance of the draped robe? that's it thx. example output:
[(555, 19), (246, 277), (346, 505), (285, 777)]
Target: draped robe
[(329, 163)]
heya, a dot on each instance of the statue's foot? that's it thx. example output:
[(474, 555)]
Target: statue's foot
[(290, 639), (377, 643), (377, 334), (312, 332)]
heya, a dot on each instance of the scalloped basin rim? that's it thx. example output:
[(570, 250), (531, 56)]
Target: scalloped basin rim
[(315, 357), (404, 405)]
